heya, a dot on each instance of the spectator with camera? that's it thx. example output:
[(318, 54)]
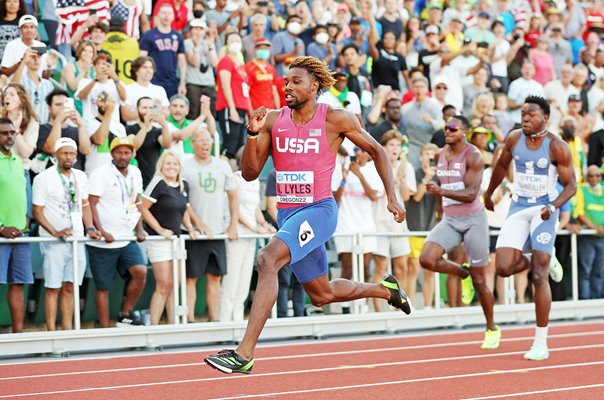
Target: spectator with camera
[(105, 80), (182, 128), (150, 135), (115, 195), (28, 74), (60, 198), (82, 68), (15, 258), (101, 131), (65, 122), (202, 58), (15, 49)]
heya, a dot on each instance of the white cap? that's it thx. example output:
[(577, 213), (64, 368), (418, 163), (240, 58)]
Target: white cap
[(65, 142), (432, 29), (440, 79), (28, 19), (198, 23)]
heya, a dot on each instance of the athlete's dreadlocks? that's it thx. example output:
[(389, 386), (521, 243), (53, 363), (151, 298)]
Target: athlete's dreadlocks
[(316, 68)]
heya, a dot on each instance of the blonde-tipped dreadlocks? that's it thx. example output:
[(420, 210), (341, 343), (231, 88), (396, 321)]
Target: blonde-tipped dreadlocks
[(316, 68)]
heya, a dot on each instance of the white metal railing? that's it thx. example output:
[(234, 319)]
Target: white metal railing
[(358, 270)]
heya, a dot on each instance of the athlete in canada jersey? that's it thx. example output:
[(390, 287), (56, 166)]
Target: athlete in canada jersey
[(303, 139), (540, 159)]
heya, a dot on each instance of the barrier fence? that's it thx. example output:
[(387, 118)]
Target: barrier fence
[(180, 333)]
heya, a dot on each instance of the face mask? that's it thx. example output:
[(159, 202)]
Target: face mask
[(568, 133), (322, 38), (198, 13), (263, 54), (234, 47), (294, 28)]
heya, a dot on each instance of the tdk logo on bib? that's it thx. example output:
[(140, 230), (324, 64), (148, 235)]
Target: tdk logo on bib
[(297, 146)]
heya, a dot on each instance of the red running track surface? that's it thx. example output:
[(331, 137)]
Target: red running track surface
[(434, 366)]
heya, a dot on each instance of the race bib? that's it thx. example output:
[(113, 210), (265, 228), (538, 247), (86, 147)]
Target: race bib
[(131, 215), (530, 186), (452, 186), (295, 187)]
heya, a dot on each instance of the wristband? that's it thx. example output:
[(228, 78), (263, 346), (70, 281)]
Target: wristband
[(342, 183), (551, 208), (90, 229), (252, 136), (251, 133)]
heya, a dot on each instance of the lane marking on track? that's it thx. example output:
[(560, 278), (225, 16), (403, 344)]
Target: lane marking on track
[(9, 362), (310, 355), (438, 378), (321, 370), (563, 389)]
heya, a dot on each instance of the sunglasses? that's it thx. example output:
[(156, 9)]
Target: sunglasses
[(594, 175), (452, 128)]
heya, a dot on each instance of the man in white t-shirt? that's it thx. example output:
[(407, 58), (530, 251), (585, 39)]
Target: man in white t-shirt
[(15, 49), (105, 80), (521, 88), (355, 186), (102, 130), (60, 205), (142, 69), (115, 194)]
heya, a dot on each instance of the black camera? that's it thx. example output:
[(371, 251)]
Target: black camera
[(515, 38), (203, 68)]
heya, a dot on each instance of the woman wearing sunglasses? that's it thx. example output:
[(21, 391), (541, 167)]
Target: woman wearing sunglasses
[(459, 170)]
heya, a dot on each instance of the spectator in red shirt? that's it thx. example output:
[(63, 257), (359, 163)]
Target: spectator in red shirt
[(181, 13), (262, 77), (232, 96)]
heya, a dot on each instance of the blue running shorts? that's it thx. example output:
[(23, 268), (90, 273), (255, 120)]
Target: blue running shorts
[(305, 230)]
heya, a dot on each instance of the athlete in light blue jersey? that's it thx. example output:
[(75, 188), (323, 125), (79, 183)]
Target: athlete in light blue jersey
[(541, 159)]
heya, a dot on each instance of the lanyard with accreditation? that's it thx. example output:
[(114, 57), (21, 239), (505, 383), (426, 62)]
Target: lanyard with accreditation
[(130, 213), (72, 198)]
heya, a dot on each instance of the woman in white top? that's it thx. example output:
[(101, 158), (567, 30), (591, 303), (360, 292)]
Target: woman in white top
[(392, 247), (241, 252), (18, 108)]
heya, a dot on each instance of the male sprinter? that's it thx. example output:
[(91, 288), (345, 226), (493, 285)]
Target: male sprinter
[(304, 138), (540, 159), (459, 169)]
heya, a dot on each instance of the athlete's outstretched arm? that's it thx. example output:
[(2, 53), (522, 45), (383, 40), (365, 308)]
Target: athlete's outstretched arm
[(471, 180), (501, 168), (257, 148), (347, 124)]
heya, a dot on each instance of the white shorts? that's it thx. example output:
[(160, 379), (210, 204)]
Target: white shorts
[(58, 263), (344, 244), (393, 246), (159, 251), (524, 230)]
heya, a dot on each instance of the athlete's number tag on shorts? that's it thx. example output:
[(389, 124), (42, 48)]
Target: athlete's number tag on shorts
[(452, 186), (528, 185), (305, 234), (295, 187)]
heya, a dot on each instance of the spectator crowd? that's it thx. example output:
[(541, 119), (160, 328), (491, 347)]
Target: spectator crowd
[(125, 118)]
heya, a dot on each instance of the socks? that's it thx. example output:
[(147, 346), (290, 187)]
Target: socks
[(540, 337)]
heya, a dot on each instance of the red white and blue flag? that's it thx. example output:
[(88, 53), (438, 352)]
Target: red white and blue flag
[(73, 13)]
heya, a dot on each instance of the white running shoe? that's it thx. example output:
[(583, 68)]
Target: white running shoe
[(537, 353), (555, 269)]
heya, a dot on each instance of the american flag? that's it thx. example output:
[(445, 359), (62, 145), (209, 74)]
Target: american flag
[(73, 13)]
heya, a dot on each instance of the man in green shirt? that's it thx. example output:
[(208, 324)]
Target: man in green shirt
[(15, 258), (589, 210), (182, 128)]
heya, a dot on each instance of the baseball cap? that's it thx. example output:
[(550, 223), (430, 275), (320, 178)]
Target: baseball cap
[(357, 20), (338, 72), (484, 14), (198, 23), (574, 97), (431, 30), (262, 41), (436, 5), (456, 16), (123, 141), (28, 19), (65, 142)]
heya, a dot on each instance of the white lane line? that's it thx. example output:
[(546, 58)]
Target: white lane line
[(563, 389), (437, 378), (195, 349), (310, 355), (318, 370)]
